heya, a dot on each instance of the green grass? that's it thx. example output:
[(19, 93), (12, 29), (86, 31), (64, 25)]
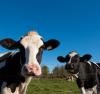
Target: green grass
[(52, 87)]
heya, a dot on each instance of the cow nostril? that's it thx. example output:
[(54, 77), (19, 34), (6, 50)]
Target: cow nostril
[(28, 68), (25, 69), (33, 69)]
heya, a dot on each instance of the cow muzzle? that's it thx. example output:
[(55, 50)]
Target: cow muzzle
[(32, 70), (69, 66)]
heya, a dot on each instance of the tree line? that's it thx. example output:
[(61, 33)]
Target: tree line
[(58, 72)]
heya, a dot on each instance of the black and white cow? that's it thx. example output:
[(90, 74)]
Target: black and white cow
[(87, 73), (17, 68)]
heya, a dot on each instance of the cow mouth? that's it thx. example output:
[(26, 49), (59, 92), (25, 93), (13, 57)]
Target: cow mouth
[(32, 70), (30, 74), (71, 70)]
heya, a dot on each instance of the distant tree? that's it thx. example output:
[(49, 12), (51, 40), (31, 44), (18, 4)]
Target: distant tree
[(59, 72), (55, 72), (62, 72), (45, 71)]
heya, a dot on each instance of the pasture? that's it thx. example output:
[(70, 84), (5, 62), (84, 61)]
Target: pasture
[(52, 87)]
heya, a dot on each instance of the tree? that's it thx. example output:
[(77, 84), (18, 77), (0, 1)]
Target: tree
[(59, 72), (45, 71), (55, 72)]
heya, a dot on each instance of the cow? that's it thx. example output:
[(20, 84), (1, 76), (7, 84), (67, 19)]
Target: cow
[(86, 72), (17, 67)]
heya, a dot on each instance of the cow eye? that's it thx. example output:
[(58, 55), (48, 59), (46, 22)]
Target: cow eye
[(75, 59), (21, 37), (39, 55), (42, 39), (76, 56)]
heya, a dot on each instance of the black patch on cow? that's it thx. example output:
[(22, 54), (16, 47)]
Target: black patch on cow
[(51, 44), (11, 72), (61, 59), (67, 58), (5, 56), (85, 58), (1, 82), (39, 55), (87, 76), (75, 59)]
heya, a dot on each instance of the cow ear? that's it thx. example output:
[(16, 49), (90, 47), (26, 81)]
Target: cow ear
[(8, 43), (51, 44), (86, 57), (61, 59)]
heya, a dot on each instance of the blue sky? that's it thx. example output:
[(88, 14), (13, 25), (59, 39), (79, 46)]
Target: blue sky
[(75, 23)]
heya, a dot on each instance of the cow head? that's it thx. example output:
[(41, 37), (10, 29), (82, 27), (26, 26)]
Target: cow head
[(31, 46), (73, 60)]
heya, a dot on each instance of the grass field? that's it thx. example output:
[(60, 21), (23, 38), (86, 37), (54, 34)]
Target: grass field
[(52, 87)]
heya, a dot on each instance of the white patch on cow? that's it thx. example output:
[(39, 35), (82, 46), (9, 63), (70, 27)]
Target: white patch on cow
[(89, 91), (95, 89), (76, 75), (23, 86), (2, 64), (2, 54), (89, 63), (32, 42), (73, 53), (3, 85), (4, 88), (21, 89), (50, 47), (14, 52), (83, 90), (7, 90), (96, 65)]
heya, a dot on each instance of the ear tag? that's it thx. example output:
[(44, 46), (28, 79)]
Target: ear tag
[(49, 48)]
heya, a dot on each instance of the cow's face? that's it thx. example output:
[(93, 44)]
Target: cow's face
[(32, 45), (73, 60)]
